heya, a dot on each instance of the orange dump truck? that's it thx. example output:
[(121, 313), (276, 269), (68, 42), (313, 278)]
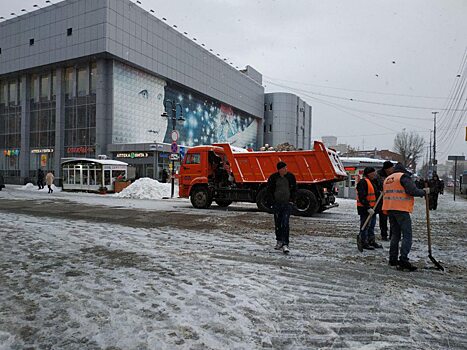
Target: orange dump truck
[(202, 180)]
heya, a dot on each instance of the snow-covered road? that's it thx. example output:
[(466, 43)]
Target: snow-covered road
[(93, 272)]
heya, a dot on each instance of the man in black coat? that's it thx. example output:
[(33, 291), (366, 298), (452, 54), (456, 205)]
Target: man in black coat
[(282, 188), (383, 218), (367, 194), (40, 179), (435, 189)]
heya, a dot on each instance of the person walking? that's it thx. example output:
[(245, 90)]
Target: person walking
[(367, 193), (282, 188), (435, 189), (399, 193), (383, 218), (49, 179), (40, 179)]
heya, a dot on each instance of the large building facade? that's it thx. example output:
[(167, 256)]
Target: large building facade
[(81, 77), (287, 118)]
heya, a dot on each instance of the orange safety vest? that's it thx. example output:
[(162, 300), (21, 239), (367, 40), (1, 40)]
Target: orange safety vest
[(370, 197), (395, 197)]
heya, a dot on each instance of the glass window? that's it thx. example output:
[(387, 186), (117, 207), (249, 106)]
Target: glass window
[(2, 92), (69, 82), (13, 95), (106, 177), (54, 85), (82, 82), (44, 87), (193, 158), (33, 93), (93, 77), (98, 176)]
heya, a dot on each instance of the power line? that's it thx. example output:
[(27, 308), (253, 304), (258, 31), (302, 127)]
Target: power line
[(358, 100), (356, 90)]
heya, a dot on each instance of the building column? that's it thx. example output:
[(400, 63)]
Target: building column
[(59, 150), (104, 106), (24, 157)]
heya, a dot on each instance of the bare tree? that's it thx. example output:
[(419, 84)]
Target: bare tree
[(410, 147)]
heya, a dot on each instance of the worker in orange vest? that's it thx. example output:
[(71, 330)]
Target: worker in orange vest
[(399, 192), (367, 193)]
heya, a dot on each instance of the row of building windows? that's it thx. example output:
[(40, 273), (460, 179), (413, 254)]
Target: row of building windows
[(79, 81)]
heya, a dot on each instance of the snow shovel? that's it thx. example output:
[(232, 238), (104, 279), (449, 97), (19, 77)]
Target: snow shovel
[(359, 239), (433, 260)]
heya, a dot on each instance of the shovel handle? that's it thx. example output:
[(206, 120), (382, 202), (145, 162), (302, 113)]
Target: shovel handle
[(370, 216)]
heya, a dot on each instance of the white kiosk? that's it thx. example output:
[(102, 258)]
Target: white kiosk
[(86, 174)]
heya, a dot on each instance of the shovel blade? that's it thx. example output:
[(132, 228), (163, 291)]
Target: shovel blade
[(436, 263)]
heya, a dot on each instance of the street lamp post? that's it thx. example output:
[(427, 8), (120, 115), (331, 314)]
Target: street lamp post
[(154, 148), (173, 107)]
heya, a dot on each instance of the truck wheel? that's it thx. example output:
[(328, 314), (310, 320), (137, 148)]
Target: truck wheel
[(223, 203), (263, 202), (200, 198), (307, 205)]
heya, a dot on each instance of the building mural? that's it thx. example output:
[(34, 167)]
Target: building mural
[(208, 121), (139, 102)]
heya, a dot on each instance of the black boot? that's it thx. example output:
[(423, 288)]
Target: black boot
[(406, 266), (367, 246), (393, 262), (375, 245)]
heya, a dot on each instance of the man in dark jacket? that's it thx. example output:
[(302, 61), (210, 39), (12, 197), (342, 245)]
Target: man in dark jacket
[(40, 179), (399, 190), (282, 188), (435, 189), (2, 182), (383, 218), (367, 194)]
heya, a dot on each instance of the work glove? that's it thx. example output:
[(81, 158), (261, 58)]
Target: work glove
[(427, 190), (371, 211)]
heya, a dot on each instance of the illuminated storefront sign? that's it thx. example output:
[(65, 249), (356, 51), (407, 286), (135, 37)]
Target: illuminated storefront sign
[(11, 152), (42, 150), (80, 150), (133, 155)]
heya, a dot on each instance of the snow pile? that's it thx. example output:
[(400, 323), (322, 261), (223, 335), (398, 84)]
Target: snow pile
[(31, 187), (146, 188)]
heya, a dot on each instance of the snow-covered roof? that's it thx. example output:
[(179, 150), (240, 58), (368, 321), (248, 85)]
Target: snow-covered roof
[(92, 160)]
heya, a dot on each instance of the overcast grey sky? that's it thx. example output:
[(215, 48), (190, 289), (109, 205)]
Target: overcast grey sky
[(383, 54)]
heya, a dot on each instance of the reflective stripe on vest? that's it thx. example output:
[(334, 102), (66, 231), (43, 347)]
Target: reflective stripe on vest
[(395, 197), (370, 197)]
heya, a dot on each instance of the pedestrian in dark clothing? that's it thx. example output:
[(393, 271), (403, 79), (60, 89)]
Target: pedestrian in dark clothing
[(435, 189), (399, 192), (165, 176), (383, 218), (367, 193), (2, 182), (282, 188), (40, 179)]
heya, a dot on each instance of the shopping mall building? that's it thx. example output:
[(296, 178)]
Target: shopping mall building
[(83, 78)]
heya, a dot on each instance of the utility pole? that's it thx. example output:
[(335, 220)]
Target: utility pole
[(434, 142), (429, 163)]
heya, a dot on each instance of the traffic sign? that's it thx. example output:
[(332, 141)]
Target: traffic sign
[(174, 135), (174, 156), (174, 147)]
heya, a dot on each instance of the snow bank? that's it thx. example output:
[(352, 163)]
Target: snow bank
[(146, 188), (31, 187)]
